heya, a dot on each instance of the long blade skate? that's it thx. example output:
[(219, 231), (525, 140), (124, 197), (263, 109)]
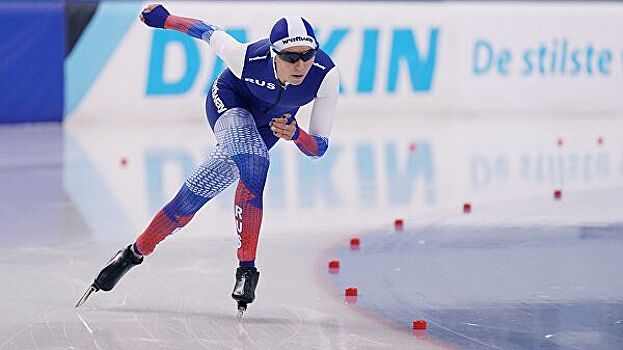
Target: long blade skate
[(118, 265), (244, 289), (242, 308), (86, 295)]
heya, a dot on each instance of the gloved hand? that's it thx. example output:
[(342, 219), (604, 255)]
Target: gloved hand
[(154, 15), (284, 127)]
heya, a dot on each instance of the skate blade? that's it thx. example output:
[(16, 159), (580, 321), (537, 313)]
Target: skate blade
[(86, 295)]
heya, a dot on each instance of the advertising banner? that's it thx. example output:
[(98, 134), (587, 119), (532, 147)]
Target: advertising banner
[(412, 58)]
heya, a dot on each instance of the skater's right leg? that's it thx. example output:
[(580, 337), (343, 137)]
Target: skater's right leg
[(215, 174), (173, 216)]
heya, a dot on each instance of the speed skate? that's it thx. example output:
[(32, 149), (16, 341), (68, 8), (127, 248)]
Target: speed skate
[(244, 289), (116, 268)]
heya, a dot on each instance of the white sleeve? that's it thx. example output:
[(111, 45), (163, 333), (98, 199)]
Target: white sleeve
[(325, 104), (229, 50)]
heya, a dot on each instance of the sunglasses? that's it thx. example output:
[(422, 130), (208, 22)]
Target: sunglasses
[(292, 57)]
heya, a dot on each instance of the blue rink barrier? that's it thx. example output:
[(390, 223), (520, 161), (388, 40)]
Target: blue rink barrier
[(32, 44)]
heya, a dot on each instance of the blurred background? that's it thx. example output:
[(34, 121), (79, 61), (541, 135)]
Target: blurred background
[(485, 126)]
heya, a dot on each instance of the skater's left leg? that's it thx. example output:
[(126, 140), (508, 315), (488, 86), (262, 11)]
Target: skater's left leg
[(236, 131)]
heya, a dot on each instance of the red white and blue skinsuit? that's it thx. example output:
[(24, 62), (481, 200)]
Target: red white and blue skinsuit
[(241, 103)]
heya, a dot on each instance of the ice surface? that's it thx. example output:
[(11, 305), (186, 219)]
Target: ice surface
[(521, 269)]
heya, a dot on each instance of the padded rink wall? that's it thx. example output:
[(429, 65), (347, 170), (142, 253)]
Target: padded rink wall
[(31, 61), (415, 58), (412, 58)]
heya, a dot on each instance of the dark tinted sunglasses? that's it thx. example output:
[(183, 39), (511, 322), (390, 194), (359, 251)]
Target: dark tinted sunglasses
[(292, 57)]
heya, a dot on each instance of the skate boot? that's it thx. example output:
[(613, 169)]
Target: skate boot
[(117, 266), (244, 290)]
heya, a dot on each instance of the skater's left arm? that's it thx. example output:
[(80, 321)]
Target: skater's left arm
[(224, 45), (315, 143)]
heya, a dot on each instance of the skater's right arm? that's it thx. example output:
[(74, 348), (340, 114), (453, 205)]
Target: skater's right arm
[(224, 45)]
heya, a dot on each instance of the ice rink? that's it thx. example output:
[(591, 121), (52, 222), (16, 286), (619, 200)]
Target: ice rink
[(522, 270)]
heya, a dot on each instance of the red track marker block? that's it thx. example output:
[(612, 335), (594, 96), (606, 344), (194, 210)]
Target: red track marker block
[(467, 208), (557, 194), (419, 324), (350, 295), (351, 291), (334, 266), (399, 225)]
